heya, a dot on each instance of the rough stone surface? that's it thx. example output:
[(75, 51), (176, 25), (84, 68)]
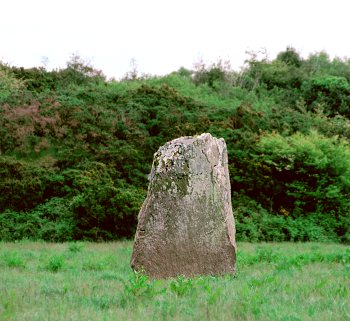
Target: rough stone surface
[(186, 226)]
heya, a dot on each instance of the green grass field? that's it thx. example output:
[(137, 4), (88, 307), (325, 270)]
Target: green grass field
[(91, 281)]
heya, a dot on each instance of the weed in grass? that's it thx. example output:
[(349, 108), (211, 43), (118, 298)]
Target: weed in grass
[(91, 264), (76, 247), (55, 263), (139, 284), (137, 287), (288, 264), (181, 286), (13, 259), (266, 255), (211, 297)]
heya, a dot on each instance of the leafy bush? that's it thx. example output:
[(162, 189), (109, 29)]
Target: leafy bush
[(56, 220), (24, 184), (18, 226), (36, 79), (214, 75), (51, 221), (304, 176), (10, 86), (290, 57), (256, 224), (284, 72), (107, 212), (332, 93)]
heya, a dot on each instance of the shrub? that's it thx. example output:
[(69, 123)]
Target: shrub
[(18, 225), (10, 86), (255, 224), (35, 79), (56, 220), (50, 221), (214, 75), (55, 263), (332, 93), (302, 175), (290, 57), (24, 184), (107, 212)]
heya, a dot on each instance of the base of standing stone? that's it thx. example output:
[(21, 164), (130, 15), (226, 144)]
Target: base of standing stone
[(186, 226)]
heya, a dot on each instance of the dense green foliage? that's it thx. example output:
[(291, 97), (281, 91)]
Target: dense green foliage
[(76, 149), (87, 281)]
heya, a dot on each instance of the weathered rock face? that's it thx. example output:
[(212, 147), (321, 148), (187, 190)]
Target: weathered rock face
[(186, 226)]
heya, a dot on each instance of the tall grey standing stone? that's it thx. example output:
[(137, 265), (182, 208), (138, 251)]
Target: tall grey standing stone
[(186, 226)]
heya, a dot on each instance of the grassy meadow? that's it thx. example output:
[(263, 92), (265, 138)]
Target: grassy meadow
[(93, 281)]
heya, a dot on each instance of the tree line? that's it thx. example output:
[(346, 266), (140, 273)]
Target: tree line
[(76, 148)]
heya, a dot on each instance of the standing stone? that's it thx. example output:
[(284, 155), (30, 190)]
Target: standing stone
[(186, 226)]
